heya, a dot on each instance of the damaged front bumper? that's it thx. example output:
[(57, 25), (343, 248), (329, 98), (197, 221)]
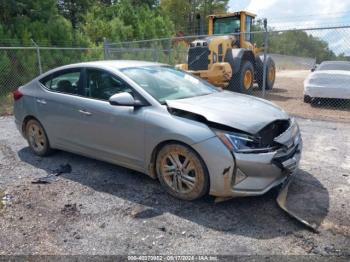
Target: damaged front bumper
[(249, 174), (258, 173), (238, 175)]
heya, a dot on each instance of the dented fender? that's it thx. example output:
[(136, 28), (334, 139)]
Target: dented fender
[(220, 164)]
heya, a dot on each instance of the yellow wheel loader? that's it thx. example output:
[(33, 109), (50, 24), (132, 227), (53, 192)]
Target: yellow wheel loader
[(228, 57)]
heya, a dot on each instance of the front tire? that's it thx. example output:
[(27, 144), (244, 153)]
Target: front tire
[(182, 172), (243, 80), (37, 138)]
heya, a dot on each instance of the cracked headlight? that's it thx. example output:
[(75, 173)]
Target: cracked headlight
[(242, 143)]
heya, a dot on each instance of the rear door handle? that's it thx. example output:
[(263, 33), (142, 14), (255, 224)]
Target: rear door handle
[(84, 112), (41, 101)]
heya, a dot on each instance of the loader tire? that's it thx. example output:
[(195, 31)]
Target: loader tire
[(243, 80), (270, 72)]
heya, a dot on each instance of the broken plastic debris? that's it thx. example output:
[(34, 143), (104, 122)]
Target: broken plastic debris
[(52, 177), (282, 203)]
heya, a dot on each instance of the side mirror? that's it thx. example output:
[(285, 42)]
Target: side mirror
[(124, 99)]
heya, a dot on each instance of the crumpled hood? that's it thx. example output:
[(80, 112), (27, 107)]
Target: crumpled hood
[(247, 113)]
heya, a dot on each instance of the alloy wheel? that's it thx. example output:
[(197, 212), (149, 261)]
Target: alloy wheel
[(37, 138), (179, 172), (182, 172)]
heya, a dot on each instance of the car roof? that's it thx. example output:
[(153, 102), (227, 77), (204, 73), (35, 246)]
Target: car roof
[(335, 62), (113, 64), (116, 64)]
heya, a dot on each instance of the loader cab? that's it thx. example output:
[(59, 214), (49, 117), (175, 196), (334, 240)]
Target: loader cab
[(238, 24)]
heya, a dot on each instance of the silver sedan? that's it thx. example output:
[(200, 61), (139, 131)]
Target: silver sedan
[(195, 138)]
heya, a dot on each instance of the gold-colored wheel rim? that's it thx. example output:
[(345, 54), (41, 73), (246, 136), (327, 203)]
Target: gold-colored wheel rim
[(36, 137), (271, 74), (248, 79)]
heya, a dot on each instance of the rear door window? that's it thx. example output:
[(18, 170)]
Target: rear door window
[(66, 81)]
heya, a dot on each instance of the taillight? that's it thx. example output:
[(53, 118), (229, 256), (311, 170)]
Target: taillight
[(17, 95)]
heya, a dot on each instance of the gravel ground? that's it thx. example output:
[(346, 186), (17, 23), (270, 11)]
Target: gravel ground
[(100, 208)]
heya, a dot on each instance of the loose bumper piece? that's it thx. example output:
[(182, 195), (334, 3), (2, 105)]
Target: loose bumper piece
[(282, 203)]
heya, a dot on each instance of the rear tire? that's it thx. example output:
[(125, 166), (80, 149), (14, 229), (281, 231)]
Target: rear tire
[(243, 80), (270, 72), (182, 172), (37, 138)]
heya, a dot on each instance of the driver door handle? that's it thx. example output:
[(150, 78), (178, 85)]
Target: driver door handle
[(84, 112)]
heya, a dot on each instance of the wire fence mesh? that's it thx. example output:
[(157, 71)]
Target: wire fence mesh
[(306, 84), (279, 70), (19, 65)]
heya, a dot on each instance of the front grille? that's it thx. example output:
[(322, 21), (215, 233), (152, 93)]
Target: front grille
[(198, 58), (283, 158), (286, 162), (271, 131)]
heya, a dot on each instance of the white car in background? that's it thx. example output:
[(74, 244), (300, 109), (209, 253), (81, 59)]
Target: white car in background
[(330, 79)]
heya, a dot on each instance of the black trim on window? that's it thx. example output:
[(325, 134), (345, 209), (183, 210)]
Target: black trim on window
[(134, 93), (83, 83), (49, 77)]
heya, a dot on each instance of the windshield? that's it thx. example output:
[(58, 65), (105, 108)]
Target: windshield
[(227, 25), (166, 83), (334, 66)]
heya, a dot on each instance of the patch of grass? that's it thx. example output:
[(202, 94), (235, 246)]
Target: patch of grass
[(6, 105)]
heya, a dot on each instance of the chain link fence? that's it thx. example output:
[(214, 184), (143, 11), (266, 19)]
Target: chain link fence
[(292, 54), (19, 65), (306, 85)]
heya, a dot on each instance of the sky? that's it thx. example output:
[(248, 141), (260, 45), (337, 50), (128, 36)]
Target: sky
[(287, 14)]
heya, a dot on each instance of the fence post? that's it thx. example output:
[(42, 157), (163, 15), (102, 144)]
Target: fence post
[(155, 55), (105, 49), (38, 56), (169, 51), (266, 35)]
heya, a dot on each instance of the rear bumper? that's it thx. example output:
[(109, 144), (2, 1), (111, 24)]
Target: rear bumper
[(336, 92)]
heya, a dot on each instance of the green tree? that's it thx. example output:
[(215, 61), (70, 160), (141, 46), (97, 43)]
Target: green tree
[(74, 10), (122, 21), (299, 43), (179, 11), (185, 13)]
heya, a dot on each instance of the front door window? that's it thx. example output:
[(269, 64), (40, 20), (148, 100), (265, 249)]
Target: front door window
[(102, 85)]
